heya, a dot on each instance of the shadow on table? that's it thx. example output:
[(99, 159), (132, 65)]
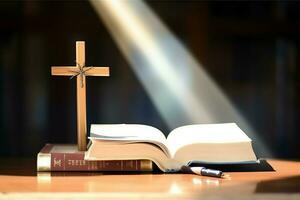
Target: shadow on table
[(261, 166), (283, 185)]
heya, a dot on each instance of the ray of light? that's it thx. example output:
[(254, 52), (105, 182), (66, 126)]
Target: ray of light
[(175, 81)]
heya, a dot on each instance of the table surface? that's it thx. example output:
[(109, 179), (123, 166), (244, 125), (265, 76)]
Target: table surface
[(19, 180)]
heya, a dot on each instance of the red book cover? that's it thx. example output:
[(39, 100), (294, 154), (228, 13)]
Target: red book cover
[(68, 158)]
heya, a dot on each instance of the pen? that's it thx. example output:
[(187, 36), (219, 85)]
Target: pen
[(203, 171)]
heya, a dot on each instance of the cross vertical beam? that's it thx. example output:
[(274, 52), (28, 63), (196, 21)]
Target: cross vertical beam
[(81, 97)]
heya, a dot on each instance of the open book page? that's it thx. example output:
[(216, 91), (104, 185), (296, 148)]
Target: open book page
[(205, 134), (129, 133), (211, 143)]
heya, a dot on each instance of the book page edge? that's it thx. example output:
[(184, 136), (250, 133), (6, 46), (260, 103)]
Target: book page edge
[(44, 158)]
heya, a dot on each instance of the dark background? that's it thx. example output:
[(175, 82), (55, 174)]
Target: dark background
[(251, 49)]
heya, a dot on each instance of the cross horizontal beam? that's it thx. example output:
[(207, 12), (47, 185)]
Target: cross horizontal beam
[(70, 71)]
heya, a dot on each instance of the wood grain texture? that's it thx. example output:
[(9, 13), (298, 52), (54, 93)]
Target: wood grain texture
[(81, 113), (280, 184), (98, 71), (80, 53), (63, 71)]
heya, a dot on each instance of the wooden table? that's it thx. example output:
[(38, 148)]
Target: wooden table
[(18, 180)]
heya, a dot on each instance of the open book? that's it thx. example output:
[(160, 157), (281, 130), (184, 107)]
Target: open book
[(213, 143)]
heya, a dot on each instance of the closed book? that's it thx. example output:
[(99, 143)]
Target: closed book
[(67, 158)]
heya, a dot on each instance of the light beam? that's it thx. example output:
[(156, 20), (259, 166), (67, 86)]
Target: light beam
[(177, 84)]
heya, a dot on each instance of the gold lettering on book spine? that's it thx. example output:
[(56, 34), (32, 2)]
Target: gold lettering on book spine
[(130, 164), (76, 162), (56, 163), (93, 165)]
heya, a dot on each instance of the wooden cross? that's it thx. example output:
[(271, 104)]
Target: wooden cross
[(80, 71)]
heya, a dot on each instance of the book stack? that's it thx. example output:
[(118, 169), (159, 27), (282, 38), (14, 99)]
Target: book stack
[(134, 147)]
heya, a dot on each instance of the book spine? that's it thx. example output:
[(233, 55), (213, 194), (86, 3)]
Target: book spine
[(76, 162)]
